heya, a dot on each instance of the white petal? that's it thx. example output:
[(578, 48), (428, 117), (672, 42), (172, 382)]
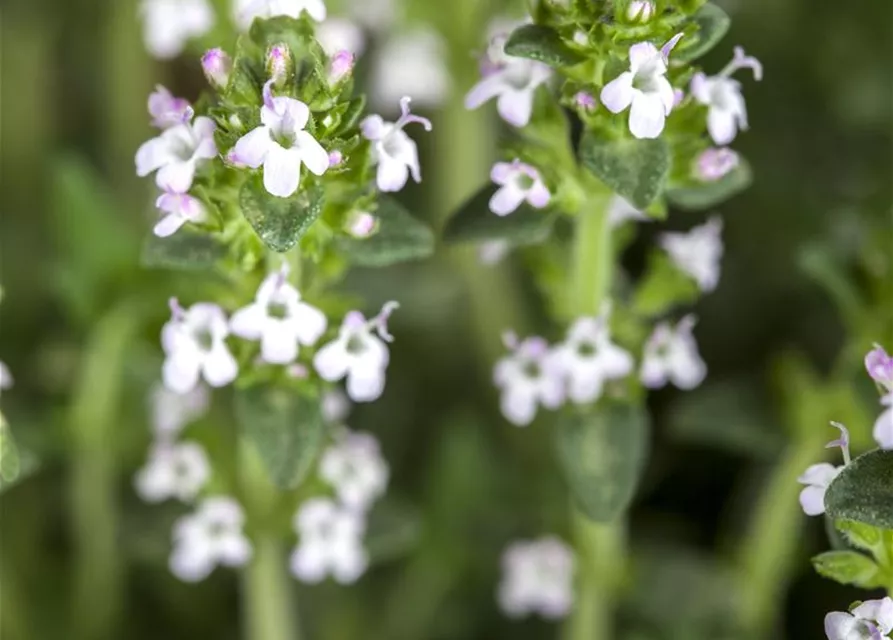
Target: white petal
[(152, 155), (585, 387), (518, 405), (282, 171), (506, 199), (308, 564), (168, 225), (486, 89), (392, 174), (819, 474), (502, 172), (614, 362), (251, 149), (219, 367), (654, 372), (538, 196), (180, 373), (516, 106), (647, 116), (350, 564), (883, 429), (812, 500), (176, 176), (311, 323), (279, 345), (617, 95), (249, 322), (373, 127), (687, 369), (839, 625), (881, 611), (365, 383), (234, 550), (191, 563), (332, 361), (640, 54), (721, 125), (312, 153)]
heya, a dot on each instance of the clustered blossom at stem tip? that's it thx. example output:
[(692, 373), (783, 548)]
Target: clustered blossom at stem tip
[(395, 153), (513, 81), (281, 144), (331, 542), (537, 577), (870, 620), (178, 471), (722, 95), (671, 356), (518, 182), (194, 343), (176, 154), (210, 536), (169, 24), (245, 11), (698, 252), (644, 89)]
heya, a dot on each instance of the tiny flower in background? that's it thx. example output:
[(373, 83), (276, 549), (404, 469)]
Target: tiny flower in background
[(358, 355), (513, 81), (356, 469), (210, 536), (518, 182), (722, 95), (173, 471), (671, 355), (879, 365), (337, 34), (6, 380), (331, 543), (179, 208), (279, 64), (362, 225), (529, 376), (411, 63), (282, 145), (194, 342), (170, 411), (217, 65), (279, 320), (245, 11), (644, 89), (714, 164), (168, 111), (621, 211), (817, 477), (492, 252), (395, 152), (585, 101), (698, 252), (589, 358), (871, 620), (176, 153), (335, 406), (537, 577), (335, 158), (169, 24), (341, 66)]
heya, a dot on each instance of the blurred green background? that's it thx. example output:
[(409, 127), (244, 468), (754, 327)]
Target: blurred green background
[(718, 545)]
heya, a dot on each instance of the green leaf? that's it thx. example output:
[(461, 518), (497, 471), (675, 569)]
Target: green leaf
[(542, 44), (712, 23), (863, 492), (663, 287), (393, 531), (9, 455), (602, 454), (279, 222), (696, 197), (186, 249), (635, 169), (286, 427), (474, 222), (399, 237), (861, 536), (297, 34), (848, 567)]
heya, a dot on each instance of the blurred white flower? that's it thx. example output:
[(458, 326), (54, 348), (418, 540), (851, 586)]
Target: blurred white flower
[(171, 411), (722, 95), (176, 154), (279, 320), (411, 64), (210, 536), (871, 620), (194, 342), (245, 11), (335, 406), (358, 355), (395, 153), (529, 376), (339, 34), (698, 252), (537, 577), (178, 209), (517, 182), (356, 469), (620, 211), (168, 111), (6, 379), (331, 543), (671, 355), (169, 24), (173, 471), (589, 358), (817, 477)]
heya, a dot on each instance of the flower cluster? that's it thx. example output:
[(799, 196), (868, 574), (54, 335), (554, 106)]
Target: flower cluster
[(870, 620)]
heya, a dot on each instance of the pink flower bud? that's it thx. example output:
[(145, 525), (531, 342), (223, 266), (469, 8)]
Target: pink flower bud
[(362, 225), (341, 66), (217, 66), (585, 101), (279, 64), (335, 158), (714, 163)]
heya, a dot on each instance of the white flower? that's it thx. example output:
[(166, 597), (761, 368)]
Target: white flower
[(589, 358), (173, 471), (395, 152), (358, 355), (531, 375), (883, 426), (356, 469), (714, 164), (338, 34), (335, 406), (620, 211), (176, 153), (194, 343), (179, 208), (209, 536), (279, 320), (512, 80), (537, 577), (817, 477), (722, 95), (245, 11), (168, 111), (698, 252), (871, 620), (331, 543), (518, 182), (281, 145), (411, 64), (6, 380), (493, 251), (169, 24), (671, 355), (170, 411), (644, 89)]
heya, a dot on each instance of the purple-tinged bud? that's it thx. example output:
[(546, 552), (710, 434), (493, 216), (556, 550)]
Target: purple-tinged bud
[(341, 66), (678, 97), (640, 11), (297, 371), (585, 101), (879, 365), (279, 64), (714, 164), (335, 158), (362, 225), (217, 66)]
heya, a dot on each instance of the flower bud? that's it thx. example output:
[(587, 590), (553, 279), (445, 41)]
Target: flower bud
[(279, 64), (341, 66), (585, 101), (640, 11), (217, 66), (713, 163), (362, 225), (335, 158)]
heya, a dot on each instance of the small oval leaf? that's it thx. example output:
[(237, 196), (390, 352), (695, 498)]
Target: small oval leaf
[(279, 222), (697, 197), (848, 567), (602, 455), (713, 23), (863, 491), (542, 44), (474, 222), (186, 249), (400, 237), (287, 428), (635, 169)]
